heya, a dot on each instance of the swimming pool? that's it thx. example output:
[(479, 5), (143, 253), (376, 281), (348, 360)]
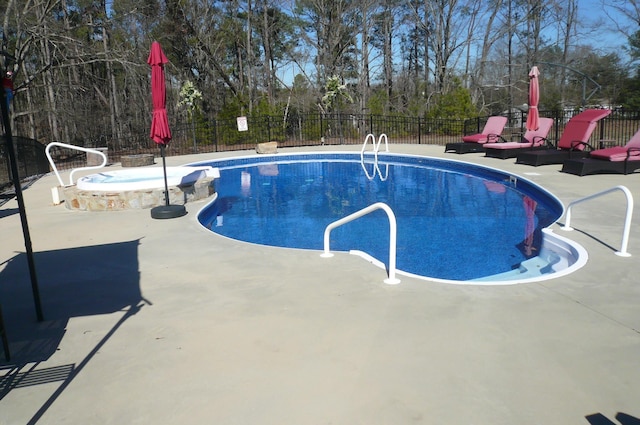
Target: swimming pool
[(456, 221)]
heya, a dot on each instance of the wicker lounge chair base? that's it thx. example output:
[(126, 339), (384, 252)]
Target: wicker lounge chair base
[(464, 147), (510, 153), (586, 166), (548, 156)]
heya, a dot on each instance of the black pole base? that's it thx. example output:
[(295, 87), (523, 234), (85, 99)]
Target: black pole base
[(168, 211)]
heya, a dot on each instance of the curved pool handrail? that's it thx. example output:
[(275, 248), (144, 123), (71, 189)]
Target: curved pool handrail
[(384, 137), (627, 221), (392, 280), (74, 147), (364, 145)]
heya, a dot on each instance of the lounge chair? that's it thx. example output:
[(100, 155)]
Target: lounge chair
[(574, 142), (618, 159), (474, 142), (531, 140)]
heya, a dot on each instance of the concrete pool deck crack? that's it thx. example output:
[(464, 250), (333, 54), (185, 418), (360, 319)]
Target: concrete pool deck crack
[(593, 309)]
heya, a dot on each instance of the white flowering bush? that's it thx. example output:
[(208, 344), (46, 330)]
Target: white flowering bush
[(189, 96), (335, 93)]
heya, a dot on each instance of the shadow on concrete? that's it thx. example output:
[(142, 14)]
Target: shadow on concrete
[(622, 418), (7, 212), (85, 281)]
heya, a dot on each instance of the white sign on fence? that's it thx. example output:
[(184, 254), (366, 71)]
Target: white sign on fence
[(242, 124)]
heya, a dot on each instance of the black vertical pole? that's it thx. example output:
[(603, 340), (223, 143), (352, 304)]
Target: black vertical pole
[(164, 172), (167, 210), (215, 133), (8, 139)]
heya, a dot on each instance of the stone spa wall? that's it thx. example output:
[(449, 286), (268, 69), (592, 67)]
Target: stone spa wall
[(94, 200)]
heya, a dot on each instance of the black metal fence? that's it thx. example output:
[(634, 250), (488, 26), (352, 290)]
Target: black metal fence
[(30, 157), (294, 130)]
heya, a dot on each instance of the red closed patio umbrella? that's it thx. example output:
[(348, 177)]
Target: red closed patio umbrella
[(534, 98), (160, 131)]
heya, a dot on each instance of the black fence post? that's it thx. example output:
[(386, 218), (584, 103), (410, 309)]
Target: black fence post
[(215, 134), (603, 124), (557, 129)]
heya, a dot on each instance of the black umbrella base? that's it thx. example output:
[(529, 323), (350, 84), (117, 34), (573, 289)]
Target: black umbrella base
[(168, 211)]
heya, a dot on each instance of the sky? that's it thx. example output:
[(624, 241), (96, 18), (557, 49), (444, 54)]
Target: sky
[(602, 24)]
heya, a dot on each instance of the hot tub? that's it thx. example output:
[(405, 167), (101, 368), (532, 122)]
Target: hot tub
[(140, 188), (144, 178)]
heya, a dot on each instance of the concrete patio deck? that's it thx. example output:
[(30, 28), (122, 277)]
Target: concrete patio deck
[(162, 322)]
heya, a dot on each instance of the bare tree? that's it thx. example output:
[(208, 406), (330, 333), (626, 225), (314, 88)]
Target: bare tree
[(443, 22), (568, 28), (486, 29), (329, 28), (630, 9), (364, 80)]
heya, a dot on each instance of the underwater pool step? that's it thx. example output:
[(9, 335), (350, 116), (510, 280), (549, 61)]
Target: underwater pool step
[(532, 267)]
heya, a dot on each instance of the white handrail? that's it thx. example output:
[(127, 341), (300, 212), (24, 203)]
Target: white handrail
[(364, 145), (392, 280), (376, 148), (78, 148), (386, 143), (627, 221)]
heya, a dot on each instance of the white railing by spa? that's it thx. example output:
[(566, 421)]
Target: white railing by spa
[(77, 148), (627, 221), (392, 235), (376, 148)]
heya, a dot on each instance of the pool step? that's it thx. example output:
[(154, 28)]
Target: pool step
[(536, 266)]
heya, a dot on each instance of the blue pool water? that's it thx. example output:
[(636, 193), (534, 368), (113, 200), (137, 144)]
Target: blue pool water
[(456, 221)]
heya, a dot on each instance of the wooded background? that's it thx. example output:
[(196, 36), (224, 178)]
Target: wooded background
[(81, 76)]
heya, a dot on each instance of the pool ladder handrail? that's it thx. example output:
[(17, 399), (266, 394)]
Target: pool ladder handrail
[(78, 148), (627, 221), (376, 149), (391, 280)]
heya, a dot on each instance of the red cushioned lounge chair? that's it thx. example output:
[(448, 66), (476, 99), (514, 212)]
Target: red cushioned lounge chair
[(574, 142), (618, 159), (474, 142), (531, 140)]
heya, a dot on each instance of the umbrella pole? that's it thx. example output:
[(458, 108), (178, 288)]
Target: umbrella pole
[(167, 210), (164, 170)]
